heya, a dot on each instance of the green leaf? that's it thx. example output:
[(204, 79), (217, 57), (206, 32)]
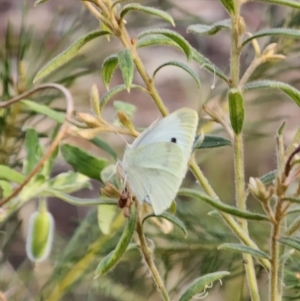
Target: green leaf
[(34, 151), (148, 10), (68, 182), (213, 141), (236, 110), (289, 3), (115, 90), (221, 206), (200, 284), (182, 66), (109, 261), (268, 177), (282, 32), (290, 242), (104, 146), (207, 64), (156, 39), (240, 248), (44, 110), (9, 174), (127, 67), (108, 67), (82, 161), (293, 200), (229, 6), (5, 189), (172, 218), (210, 29), (177, 38), (68, 54), (106, 214), (81, 201), (270, 84)]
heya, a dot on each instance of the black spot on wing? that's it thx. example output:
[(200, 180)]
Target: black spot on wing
[(173, 140)]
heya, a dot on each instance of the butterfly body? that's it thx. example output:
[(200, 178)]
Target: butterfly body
[(156, 162)]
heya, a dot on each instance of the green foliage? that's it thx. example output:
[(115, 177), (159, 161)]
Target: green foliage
[(31, 149)]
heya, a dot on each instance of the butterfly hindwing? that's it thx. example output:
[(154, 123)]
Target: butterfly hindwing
[(156, 163), (155, 172)]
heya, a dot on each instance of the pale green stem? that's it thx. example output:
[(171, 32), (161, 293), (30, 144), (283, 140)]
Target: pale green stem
[(241, 204), (274, 292), (239, 150)]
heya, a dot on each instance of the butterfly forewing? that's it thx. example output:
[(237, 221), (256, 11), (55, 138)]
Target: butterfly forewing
[(156, 162)]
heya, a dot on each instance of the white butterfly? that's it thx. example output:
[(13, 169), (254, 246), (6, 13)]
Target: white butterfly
[(156, 162)]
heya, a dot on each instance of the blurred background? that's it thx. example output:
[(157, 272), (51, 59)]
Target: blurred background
[(45, 31)]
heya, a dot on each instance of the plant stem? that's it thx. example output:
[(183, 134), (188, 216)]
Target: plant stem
[(239, 149), (274, 295), (147, 253)]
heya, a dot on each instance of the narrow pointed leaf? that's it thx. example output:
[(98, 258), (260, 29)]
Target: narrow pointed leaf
[(281, 32), (109, 261), (214, 141), (244, 249), (108, 67), (229, 5), (34, 151), (210, 29), (290, 242), (269, 177), (105, 146), (200, 284), (236, 110), (293, 200), (148, 10), (115, 90), (182, 66), (156, 39), (44, 110), (221, 206), (294, 4), (81, 201), (177, 38), (127, 67), (292, 92), (68, 54), (9, 174), (172, 218), (82, 161)]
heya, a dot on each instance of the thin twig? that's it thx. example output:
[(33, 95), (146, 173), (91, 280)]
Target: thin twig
[(149, 259)]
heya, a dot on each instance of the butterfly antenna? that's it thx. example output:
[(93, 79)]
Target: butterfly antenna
[(116, 132)]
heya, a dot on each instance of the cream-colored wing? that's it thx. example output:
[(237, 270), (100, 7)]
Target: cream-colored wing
[(156, 172)]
